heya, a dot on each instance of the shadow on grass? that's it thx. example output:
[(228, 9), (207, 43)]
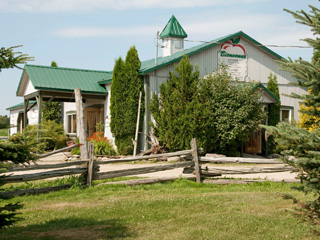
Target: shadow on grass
[(69, 228)]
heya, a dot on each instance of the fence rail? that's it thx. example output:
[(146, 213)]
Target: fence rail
[(90, 169)]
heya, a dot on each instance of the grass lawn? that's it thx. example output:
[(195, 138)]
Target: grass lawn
[(4, 132), (177, 210)]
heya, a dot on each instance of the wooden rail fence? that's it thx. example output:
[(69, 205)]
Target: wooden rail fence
[(90, 169)]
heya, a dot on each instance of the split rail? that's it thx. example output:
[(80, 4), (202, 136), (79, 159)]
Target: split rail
[(90, 169)]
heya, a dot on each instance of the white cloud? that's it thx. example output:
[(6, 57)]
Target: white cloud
[(89, 5)]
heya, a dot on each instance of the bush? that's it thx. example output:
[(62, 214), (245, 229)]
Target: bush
[(52, 135), (218, 113), (102, 145)]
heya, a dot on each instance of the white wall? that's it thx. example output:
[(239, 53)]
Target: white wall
[(32, 117), (67, 106), (29, 88)]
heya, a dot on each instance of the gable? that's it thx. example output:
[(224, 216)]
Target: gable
[(149, 65)]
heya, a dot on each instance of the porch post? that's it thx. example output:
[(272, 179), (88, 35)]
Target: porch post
[(25, 112), (39, 102), (80, 125)]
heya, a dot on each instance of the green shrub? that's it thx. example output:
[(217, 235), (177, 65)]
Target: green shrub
[(102, 145), (76, 151), (52, 135)]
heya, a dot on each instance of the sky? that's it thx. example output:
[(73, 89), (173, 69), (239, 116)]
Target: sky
[(91, 34)]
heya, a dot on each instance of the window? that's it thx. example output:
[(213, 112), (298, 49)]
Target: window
[(72, 123), (286, 114)]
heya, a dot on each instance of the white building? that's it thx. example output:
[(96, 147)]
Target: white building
[(248, 60)]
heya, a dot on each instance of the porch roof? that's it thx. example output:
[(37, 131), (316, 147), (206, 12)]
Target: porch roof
[(20, 105), (64, 79)]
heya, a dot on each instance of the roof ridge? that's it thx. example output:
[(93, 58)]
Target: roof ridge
[(163, 61), (67, 68)]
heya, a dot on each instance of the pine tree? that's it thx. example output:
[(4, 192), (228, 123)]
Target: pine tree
[(174, 111), (274, 110), (10, 59), (125, 88)]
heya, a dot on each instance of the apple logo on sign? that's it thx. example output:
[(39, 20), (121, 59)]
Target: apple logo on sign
[(233, 47)]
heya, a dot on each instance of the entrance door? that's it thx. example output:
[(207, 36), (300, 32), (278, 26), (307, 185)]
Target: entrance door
[(254, 143), (92, 116)]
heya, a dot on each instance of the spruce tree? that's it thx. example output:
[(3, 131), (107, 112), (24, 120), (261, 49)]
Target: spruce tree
[(174, 110), (274, 110), (125, 88), (298, 142)]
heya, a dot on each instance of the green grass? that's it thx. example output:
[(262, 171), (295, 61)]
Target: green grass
[(178, 210), (4, 132)]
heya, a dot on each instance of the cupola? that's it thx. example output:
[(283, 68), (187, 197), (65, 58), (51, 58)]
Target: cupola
[(172, 37)]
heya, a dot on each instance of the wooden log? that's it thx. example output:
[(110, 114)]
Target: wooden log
[(34, 191), (238, 160), (90, 164), (50, 166), (130, 159), (42, 175), (134, 182), (143, 170), (191, 170), (59, 150), (195, 159), (137, 127), (225, 171), (245, 181)]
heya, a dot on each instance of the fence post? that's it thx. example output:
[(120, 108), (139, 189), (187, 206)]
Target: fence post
[(194, 149), (90, 163)]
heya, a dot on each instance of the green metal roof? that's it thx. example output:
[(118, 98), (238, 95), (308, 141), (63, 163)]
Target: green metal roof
[(260, 85), (106, 80), (173, 29), (66, 79), (149, 65), (20, 105)]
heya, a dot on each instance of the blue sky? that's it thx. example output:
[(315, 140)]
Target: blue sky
[(91, 34)]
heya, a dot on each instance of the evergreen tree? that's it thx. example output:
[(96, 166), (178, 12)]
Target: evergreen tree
[(15, 151), (309, 121), (174, 111), (10, 59), (307, 73), (125, 88), (298, 142), (54, 64), (274, 110), (52, 110)]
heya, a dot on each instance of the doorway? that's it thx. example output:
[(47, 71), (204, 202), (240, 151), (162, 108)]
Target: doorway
[(92, 116)]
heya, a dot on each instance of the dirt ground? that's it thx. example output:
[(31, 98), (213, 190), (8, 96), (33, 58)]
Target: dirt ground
[(281, 176)]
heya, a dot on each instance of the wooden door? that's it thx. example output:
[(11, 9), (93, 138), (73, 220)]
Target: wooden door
[(92, 116), (254, 143)]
